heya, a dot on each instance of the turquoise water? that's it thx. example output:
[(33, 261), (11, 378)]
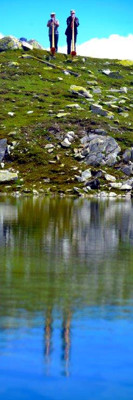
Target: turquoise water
[(66, 299)]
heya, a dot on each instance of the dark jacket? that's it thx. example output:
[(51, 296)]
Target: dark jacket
[(49, 24), (68, 31)]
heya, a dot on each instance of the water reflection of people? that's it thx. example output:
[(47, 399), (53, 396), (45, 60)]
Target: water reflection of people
[(48, 333), (66, 340), (94, 213)]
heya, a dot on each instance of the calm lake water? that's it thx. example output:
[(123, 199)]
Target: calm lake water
[(66, 299)]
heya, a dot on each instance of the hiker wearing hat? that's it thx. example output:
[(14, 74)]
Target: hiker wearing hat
[(70, 20), (50, 23)]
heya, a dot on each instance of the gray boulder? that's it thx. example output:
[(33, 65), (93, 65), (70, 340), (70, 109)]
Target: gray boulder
[(100, 150), (10, 43), (3, 148), (35, 44), (26, 45), (127, 169), (93, 184), (128, 155)]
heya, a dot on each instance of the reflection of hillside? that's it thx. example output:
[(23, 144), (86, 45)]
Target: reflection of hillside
[(59, 256), (70, 227), (65, 251)]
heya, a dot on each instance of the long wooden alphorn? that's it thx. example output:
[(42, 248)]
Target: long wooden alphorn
[(53, 40), (73, 52)]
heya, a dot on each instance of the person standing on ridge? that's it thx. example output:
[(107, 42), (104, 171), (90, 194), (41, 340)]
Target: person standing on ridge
[(53, 23), (70, 20)]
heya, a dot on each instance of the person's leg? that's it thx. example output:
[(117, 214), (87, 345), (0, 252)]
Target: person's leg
[(75, 38), (68, 44), (56, 42)]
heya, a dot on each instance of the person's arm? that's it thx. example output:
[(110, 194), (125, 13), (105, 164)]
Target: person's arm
[(69, 20), (49, 23), (56, 22), (77, 21)]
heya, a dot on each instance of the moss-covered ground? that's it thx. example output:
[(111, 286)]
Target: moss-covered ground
[(34, 93)]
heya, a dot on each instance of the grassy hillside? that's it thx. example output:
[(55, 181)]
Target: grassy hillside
[(34, 112)]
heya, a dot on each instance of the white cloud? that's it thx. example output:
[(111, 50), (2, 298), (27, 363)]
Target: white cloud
[(1, 36), (115, 46)]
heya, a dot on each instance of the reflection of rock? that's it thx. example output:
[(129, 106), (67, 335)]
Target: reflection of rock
[(80, 229), (61, 255)]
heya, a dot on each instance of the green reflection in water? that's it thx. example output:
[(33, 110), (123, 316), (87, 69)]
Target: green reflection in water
[(65, 253)]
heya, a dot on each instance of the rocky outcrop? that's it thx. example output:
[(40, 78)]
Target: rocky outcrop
[(35, 44), (99, 150), (9, 43)]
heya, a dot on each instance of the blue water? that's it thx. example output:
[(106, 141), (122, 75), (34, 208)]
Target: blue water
[(66, 313)]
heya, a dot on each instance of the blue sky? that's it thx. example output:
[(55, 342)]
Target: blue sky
[(99, 18)]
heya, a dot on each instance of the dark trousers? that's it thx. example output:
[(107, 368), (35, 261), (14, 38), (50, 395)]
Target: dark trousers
[(69, 41), (56, 37)]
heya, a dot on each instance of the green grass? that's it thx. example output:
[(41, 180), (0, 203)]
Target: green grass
[(33, 86)]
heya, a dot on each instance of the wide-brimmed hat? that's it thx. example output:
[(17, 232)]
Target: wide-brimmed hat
[(52, 13)]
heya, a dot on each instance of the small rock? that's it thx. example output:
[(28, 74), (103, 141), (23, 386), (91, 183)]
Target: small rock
[(86, 175), (100, 131), (49, 146), (6, 176), (94, 184), (92, 83), (110, 178), (127, 155), (66, 73), (74, 106), (126, 187), (11, 113), (77, 191), (123, 89), (106, 71), (35, 192), (66, 143), (46, 180), (97, 109), (80, 91), (128, 170), (97, 90), (104, 194), (112, 194), (124, 114), (61, 115), (116, 185)]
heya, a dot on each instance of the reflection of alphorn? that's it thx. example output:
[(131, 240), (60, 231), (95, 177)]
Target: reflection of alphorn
[(73, 52), (53, 40)]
